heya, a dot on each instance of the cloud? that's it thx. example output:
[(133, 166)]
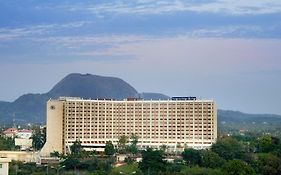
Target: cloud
[(99, 44), (9, 33), (230, 31), (231, 7)]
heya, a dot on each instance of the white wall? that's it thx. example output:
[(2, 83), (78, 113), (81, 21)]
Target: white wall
[(4, 166)]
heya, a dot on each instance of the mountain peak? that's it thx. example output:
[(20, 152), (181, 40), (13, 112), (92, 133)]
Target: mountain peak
[(32, 107), (92, 86)]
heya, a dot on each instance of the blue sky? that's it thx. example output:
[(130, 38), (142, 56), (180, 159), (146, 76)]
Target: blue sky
[(227, 50)]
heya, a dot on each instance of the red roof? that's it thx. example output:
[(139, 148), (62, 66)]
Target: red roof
[(25, 130), (10, 131)]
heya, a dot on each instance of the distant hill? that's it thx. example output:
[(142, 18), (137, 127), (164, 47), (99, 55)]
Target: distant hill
[(154, 96), (234, 121), (32, 107)]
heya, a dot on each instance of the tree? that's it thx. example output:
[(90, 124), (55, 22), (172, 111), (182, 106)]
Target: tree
[(267, 144), (57, 154), (152, 162), (7, 143), (72, 160), (268, 164), (192, 156), (38, 137), (238, 167), (133, 147), (122, 144), (76, 149), (164, 148), (228, 148), (109, 148), (211, 159), (134, 139)]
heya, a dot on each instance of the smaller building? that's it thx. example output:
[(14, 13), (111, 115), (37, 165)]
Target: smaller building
[(4, 166), (24, 144), (23, 139), (10, 132), (24, 134)]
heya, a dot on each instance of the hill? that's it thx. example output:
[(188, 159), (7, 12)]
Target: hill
[(150, 95), (92, 86), (235, 121), (32, 107)]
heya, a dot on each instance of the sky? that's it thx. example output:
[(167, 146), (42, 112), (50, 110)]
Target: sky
[(226, 50)]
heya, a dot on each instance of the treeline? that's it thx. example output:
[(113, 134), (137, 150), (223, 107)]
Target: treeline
[(233, 155), (7, 143)]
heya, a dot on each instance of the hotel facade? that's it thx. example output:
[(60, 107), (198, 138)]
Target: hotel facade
[(177, 123)]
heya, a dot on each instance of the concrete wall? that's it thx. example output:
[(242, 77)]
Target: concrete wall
[(23, 156)]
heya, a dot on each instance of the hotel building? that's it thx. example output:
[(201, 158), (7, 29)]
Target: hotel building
[(177, 123)]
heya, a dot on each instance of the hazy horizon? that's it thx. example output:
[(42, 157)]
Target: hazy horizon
[(220, 49)]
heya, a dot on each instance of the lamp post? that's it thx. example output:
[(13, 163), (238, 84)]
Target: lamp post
[(47, 169)]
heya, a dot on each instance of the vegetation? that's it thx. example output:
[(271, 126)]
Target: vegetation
[(7, 144), (231, 155), (126, 169), (122, 144), (38, 138), (152, 162), (109, 148)]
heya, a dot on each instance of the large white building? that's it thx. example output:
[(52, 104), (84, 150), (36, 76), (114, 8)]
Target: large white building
[(178, 122)]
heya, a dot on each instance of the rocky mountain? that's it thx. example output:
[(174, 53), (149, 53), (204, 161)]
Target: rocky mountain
[(32, 107)]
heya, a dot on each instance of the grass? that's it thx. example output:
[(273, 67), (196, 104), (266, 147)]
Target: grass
[(125, 169)]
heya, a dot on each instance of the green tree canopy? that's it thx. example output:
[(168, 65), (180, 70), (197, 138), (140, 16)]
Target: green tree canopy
[(211, 159), (228, 148), (237, 167), (109, 148), (269, 164), (122, 144), (152, 161), (267, 144), (7, 143), (76, 148), (38, 137), (133, 146), (192, 156)]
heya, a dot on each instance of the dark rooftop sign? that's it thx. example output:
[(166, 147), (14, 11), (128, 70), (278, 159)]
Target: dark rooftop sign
[(183, 98)]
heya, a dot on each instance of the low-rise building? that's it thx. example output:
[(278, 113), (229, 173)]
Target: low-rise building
[(24, 134), (24, 144), (10, 132)]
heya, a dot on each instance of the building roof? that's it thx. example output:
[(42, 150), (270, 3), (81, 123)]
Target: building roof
[(10, 131), (25, 131)]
